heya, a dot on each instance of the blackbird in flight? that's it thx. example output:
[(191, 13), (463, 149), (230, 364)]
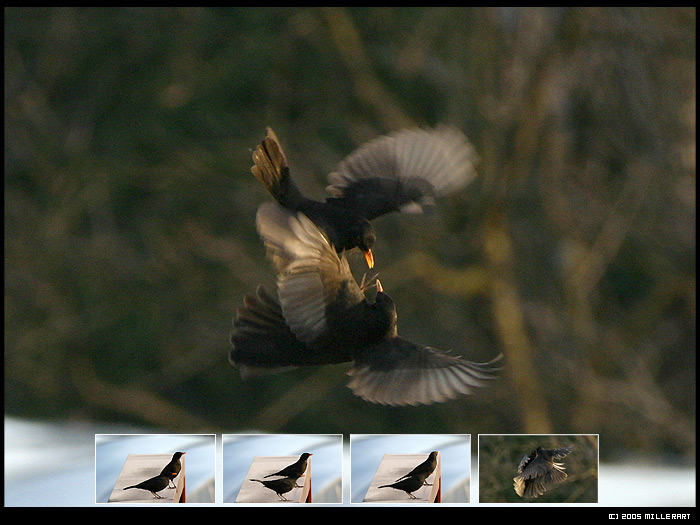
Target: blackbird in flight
[(409, 484), (321, 316), (279, 486), (538, 470), (398, 172), (427, 467), (173, 468), (295, 470), (153, 485)]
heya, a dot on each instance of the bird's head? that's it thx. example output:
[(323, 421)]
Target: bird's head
[(387, 310), (365, 237)]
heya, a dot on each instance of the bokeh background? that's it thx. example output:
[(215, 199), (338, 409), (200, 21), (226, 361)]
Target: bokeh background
[(129, 212)]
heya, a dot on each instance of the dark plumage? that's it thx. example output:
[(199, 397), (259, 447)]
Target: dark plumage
[(321, 316), (153, 485), (409, 484), (401, 171), (295, 470), (538, 469), (427, 467), (173, 468), (279, 486)]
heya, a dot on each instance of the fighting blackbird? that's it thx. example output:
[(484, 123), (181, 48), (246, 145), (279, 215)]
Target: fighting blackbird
[(409, 484), (280, 486), (153, 485), (427, 467), (173, 468), (401, 171), (323, 317), (295, 470), (539, 469)]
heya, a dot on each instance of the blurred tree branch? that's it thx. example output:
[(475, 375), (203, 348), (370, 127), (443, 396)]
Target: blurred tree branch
[(368, 88)]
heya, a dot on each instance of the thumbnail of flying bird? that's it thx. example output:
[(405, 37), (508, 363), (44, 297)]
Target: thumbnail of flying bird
[(401, 171), (538, 469), (321, 316), (427, 467)]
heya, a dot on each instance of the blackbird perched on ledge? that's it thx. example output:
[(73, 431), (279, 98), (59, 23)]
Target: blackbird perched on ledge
[(279, 486), (321, 316), (173, 468), (409, 484), (538, 469), (153, 485), (427, 467), (399, 172), (295, 470)]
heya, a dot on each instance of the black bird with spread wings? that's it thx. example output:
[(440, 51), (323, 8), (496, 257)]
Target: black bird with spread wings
[(399, 172), (321, 316), (538, 469)]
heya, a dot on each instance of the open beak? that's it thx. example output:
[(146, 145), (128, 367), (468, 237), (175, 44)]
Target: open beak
[(380, 288), (369, 257)]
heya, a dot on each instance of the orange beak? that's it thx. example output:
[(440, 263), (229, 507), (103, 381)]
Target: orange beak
[(369, 257), (379, 286)]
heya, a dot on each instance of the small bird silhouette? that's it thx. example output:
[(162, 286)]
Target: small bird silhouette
[(408, 485), (173, 468), (295, 470), (538, 469), (398, 172), (279, 486), (153, 485), (427, 467)]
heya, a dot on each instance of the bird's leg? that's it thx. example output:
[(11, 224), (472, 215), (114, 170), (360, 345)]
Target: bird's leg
[(411, 495), (282, 497), (155, 495)]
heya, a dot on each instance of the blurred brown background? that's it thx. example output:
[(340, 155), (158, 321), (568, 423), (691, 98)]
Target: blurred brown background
[(129, 211)]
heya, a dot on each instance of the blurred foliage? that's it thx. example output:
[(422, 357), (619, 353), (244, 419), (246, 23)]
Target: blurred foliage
[(499, 457), (129, 211)]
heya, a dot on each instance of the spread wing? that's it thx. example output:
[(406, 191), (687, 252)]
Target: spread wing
[(403, 171), (399, 372), (310, 274)]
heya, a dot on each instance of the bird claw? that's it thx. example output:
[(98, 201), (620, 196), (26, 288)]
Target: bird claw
[(365, 283)]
